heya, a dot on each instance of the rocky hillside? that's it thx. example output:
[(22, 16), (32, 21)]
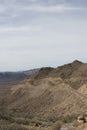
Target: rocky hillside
[(50, 94), (8, 79)]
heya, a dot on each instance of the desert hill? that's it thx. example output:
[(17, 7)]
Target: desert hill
[(8, 79), (50, 94), (74, 74)]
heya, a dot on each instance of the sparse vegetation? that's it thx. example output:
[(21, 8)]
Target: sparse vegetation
[(13, 126), (53, 119), (53, 99), (69, 118)]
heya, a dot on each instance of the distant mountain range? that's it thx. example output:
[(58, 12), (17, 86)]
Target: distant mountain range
[(8, 77)]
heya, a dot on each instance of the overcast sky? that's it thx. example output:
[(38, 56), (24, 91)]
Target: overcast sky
[(36, 33)]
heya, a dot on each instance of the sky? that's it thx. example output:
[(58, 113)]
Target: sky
[(39, 33)]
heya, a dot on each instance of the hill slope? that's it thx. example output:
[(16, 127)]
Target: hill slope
[(50, 93)]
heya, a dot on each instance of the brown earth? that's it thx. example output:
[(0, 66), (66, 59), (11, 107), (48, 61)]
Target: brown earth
[(49, 95)]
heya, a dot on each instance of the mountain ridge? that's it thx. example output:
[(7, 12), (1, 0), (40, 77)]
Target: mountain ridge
[(50, 94)]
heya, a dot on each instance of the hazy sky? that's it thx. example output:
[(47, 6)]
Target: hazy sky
[(36, 33)]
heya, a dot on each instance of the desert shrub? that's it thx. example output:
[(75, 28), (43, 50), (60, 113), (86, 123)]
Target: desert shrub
[(68, 119), (23, 121), (12, 127), (57, 125), (52, 119), (28, 116), (5, 115)]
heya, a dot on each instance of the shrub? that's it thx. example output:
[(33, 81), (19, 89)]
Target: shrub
[(68, 119), (12, 127), (22, 121), (52, 119), (5, 115)]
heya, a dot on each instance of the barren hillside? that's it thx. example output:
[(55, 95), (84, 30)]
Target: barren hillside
[(50, 94)]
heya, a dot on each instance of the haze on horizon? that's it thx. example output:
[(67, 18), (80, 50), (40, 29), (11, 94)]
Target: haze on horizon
[(36, 33)]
